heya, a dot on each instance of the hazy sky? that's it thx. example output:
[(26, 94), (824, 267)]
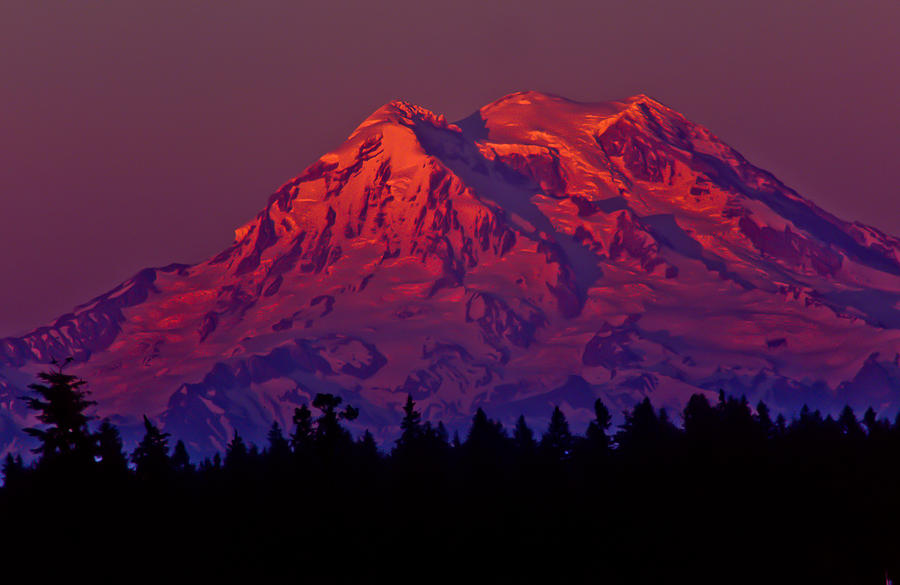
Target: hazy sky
[(136, 134)]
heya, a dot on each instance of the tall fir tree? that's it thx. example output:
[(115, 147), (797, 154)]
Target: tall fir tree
[(368, 448), (556, 443), (181, 460), (278, 447), (110, 451), (523, 439), (764, 420), (13, 470), (410, 427), (486, 441), (151, 456), (330, 437), (646, 432), (597, 437), (61, 404), (236, 453), (849, 424), (302, 437)]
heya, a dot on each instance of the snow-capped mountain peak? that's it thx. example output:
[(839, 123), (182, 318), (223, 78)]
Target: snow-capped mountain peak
[(540, 251)]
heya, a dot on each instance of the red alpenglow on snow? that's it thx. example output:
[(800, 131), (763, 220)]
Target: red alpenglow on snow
[(538, 252)]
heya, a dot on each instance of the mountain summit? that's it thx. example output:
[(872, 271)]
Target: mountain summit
[(540, 251)]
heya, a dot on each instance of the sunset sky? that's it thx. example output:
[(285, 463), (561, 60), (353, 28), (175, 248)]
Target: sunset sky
[(137, 134)]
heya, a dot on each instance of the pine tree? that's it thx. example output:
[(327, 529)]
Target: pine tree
[(113, 459), (642, 431), (329, 436), (152, 454), (279, 448), (780, 425), (849, 424), (701, 420), (764, 420), (367, 454), (328, 424), (556, 443), (876, 429), (441, 436), (13, 470), (667, 429), (597, 438), (61, 403), (236, 453), (368, 448), (302, 437), (738, 428), (523, 439), (181, 460), (486, 442), (410, 444), (410, 428)]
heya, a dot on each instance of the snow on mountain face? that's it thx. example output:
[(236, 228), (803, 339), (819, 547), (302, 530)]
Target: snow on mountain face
[(538, 252)]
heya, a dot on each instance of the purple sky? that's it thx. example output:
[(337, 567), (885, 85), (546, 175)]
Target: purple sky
[(140, 134)]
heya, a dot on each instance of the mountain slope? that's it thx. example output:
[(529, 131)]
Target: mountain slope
[(538, 252)]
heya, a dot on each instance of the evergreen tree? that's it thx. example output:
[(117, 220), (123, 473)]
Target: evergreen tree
[(151, 456), (441, 436), (667, 429), (876, 429), (279, 448), (832, 428), (429, 435), (701, 420), (110, 451), (598, 440), (780, 425), (722, 400), (523, 438), (66, 442), (236, 453), (13, 470), (411, 430), (738, 429), (329, 436), (367, 463), (556, 443), (646, 432), (367, 447), (764, 420), (181, 460), (486, 440), (639, 429), (808, 425), (302, 437), (849, 424)]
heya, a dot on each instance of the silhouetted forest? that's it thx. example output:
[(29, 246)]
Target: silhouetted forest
[(731, 496)]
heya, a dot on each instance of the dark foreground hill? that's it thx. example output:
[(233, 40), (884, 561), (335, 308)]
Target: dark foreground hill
[(732, 497)]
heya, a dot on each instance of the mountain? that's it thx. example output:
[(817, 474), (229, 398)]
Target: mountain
[(540, 251)]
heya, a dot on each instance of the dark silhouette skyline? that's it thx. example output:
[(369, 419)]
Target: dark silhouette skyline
[(729, 492)]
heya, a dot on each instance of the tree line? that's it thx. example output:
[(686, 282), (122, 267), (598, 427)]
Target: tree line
[(732, 494)]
